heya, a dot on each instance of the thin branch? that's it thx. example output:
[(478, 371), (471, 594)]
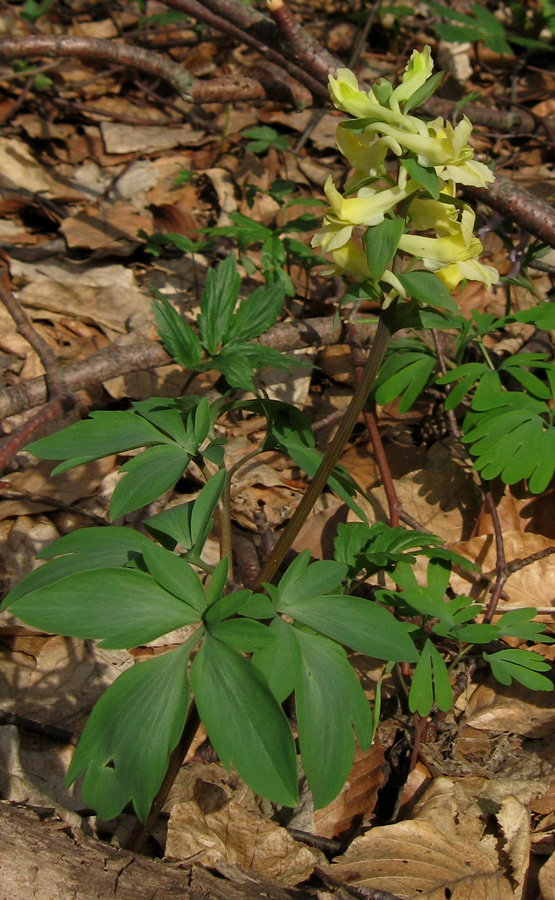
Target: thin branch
[(191, 89), (519, 205), (264, 37), (122, 360), (357, 358)]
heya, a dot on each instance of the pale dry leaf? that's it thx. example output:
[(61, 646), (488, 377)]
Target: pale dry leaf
[(443, 496), (473, 887), (356, 801), (75, 484), (513, 709), (408, 858), (109, 308), (108, 230), (56, 680), (241, 837), (532, 586), (514, 821), (19, 169), (546, 879), (121, 139), (225, 192)]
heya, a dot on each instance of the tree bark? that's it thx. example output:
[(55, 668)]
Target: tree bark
[(44, 858)]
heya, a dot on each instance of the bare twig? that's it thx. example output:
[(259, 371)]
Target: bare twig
[(121, 360), (357, 357), (520, 206)]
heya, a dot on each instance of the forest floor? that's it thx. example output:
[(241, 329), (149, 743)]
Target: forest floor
[(97, 161)]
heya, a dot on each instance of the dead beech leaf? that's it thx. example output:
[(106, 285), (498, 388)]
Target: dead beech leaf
[(225, 192), (409, 858), (240, 837), (107, 307), (443, 495), (532, 586), (358, 798), (123, 139), (546, 879), (112, 229), (513, 709), (76, 484), (474, 887), (514, 821)]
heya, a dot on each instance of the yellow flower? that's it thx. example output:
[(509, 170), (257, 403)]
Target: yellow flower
[(367, 208), (471, 269), (347, 96), (417, 71), (460, 244)]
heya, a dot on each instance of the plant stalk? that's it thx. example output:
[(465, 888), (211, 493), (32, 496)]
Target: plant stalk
[(377, 352)]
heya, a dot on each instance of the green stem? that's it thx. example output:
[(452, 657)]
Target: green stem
[(379, 346)]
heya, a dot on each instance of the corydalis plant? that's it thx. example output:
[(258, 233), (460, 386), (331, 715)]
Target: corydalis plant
[(412, 222)]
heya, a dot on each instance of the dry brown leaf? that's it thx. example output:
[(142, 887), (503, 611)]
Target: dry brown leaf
[(410, 857), (546, 879), (106, 307), (515, 709), (75, 484), (111, 230), (356, 802), (532, 586), (443, 496), (122, 139), (474, 887), (240, 837)]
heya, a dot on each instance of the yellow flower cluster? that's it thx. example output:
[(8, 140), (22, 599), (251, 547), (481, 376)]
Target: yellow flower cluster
[(439, 234)]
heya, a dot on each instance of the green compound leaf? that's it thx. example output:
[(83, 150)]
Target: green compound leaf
[(190, 523), (148, 476), (425, 176), (131, 732), (245, 724), (280, 662), (104, 433), (330, 701), (524, 666), (123, 607), (518, 623), (81, 551), (381, 244), (305, 579), (466, 375), (177, 576), (377, 547), (245, 635), (406, 375), (218, 303), (357, 623), (256, 314), (430, 679), (429, 289), (178, 338), (514, 443)]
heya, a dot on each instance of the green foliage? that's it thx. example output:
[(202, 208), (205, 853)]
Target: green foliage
[(277, 251), (225, 328), (32, 11), (381, 243), (482, 25), (264, 137)]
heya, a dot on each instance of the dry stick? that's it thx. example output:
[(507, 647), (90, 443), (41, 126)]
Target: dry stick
[(60, 397), (313, 58), (500, 561), (373, 430), (331, 458), (519, 205), (262, 44), (121, 360), (191, 89), (298, 44)]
